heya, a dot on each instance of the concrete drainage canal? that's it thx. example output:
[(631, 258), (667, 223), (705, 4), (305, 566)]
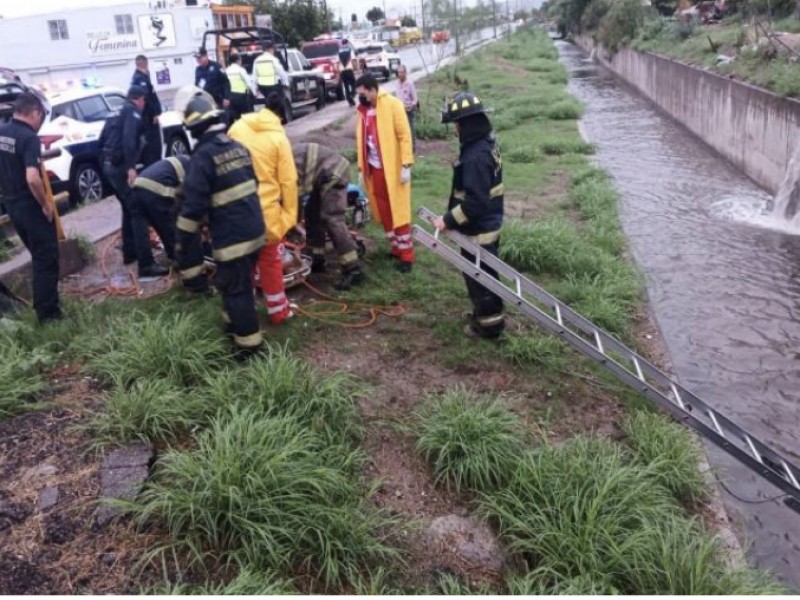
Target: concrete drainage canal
[(725, 291)]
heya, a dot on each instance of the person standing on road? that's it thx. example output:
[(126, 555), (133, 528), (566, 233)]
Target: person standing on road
[(25, 200), (220, 189), (121, 143), (407, 93), (263, 135), (475, 208), (385, 158), (348, 72), (270, 76), (153, 146), (241, 87), (324, 175), (209, 76)]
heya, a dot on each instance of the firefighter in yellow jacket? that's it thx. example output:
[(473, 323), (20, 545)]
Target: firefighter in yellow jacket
[(263, 135), (385, 157)]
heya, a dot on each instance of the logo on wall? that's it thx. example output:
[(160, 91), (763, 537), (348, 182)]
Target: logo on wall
[(157, 31)]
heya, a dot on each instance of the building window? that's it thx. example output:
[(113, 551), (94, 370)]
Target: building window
[(124, 24), (58, 30)]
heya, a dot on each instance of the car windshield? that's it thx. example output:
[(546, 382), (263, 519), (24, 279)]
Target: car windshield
[(321, 50), (372, 49)]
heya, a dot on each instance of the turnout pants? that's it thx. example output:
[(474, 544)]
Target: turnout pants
[(326, 215), (270, 275), (487, 307), (40, 238), (157, 212), (135, 232), (399, 237), (234, 281)]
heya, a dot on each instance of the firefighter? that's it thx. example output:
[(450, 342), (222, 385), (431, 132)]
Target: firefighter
[(241, 87), (153, 148), (25, 200), (210, 77), (475, 208), (324, 175), (220, 189), (263, 135), (156, 193), (269, 73)]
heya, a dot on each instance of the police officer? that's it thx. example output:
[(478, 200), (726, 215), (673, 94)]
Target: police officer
[(221, 188), (153, 147), (324, 175), (155, 197), (241, 87), (26, 202), (209, 76), (269, 73), (348, 72), (121, 141), (476, 204)]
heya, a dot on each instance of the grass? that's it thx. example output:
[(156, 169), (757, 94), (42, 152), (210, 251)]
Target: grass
[(537, 349), (21, 379), (257, 492), (248, 582), (470, 441)]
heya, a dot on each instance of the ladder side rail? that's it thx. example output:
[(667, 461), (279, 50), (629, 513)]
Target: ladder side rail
[(774, 474)]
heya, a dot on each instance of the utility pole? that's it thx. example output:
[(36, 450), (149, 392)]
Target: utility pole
[(422, 8), (494, 17), (327, 19), (455, 21)]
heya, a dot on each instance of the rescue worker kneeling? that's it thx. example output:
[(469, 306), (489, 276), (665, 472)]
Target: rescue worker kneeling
[(220, 188), (323, 175), (154, 199), (476, 204)]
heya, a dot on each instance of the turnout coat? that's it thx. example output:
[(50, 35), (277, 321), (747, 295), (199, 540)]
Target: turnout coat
[(395, 144)]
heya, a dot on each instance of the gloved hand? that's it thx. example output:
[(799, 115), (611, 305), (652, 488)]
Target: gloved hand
[(405, 175)]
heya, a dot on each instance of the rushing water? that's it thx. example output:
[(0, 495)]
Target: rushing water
[(722, 280)]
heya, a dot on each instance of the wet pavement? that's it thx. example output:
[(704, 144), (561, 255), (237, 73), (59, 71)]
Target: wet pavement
[(725, 292)]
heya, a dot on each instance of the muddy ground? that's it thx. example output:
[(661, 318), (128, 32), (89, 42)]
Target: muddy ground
[(60, 549)]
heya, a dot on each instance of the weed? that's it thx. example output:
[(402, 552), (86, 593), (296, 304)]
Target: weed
[(670, 451), (20, 375), (542, 583), (470, 441), (522, 155), (565, 109), (256, 491), (179, 348), (535, 349), (559, 147), (248, 582), (86, 248)]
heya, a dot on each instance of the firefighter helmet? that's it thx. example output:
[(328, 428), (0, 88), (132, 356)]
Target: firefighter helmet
[(462, 105), (200, 113)]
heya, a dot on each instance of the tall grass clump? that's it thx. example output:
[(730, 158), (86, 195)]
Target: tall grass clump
[(670, 452), (178, 347), (558, 147), (255, 491), (20, 376), (535, 349), (470, 441), (151, 410), (564, 109), (279, 384), (248, 582)]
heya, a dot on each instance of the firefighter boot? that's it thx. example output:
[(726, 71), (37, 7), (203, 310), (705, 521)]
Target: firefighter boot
[(351, 275)]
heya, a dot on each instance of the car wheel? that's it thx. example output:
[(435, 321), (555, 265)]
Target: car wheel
[(87, 184), (287, 112), (340, 91), (178, 146)]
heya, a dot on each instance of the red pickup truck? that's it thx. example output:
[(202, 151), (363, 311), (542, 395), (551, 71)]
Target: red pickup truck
[(324, 54)]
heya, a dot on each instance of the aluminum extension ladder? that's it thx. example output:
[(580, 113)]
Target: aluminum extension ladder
[(563, 322)]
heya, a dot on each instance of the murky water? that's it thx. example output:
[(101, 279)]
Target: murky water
[(724, 289)]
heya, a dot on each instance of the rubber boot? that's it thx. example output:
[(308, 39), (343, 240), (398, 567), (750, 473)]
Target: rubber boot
[(351, 276)]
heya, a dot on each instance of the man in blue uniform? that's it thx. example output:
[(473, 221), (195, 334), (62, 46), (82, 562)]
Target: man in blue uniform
[(25, 200), (210, 77), (476, 204), (156, 193), (152, 109), (121, 143), (221, 189)]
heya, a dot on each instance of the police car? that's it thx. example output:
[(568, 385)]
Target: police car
[(75, 120)]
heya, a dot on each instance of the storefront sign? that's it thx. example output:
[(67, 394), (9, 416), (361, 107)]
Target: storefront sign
[(102, 42)]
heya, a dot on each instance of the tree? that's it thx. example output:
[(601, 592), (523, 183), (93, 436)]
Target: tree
[(296, 20), (521, 15), (375, 14), (407, 21)]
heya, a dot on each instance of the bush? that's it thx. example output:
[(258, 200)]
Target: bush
[(20, 375), (469, 440), (257, 491), (178, 348), (620, 26), (669, 450)]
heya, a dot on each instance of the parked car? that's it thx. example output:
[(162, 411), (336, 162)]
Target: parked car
[(307, 84), (74, 124), (379, 58), (324, 54)]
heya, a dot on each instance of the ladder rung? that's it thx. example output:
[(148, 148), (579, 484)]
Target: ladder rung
[(636, 364), (558, 315), (677, 395), (755, 452), (598, 340), (790, 474), (519, 287), (716, 423)]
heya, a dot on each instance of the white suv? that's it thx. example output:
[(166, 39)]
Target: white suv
[(379, 58), (74, 124)]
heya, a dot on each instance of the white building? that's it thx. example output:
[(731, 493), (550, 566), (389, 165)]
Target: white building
[(98, 45)]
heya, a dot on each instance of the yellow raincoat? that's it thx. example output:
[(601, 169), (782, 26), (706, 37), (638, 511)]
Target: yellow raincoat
[(394, 140), (263, 135)]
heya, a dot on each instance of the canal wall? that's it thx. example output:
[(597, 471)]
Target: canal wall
[(753, 128)]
